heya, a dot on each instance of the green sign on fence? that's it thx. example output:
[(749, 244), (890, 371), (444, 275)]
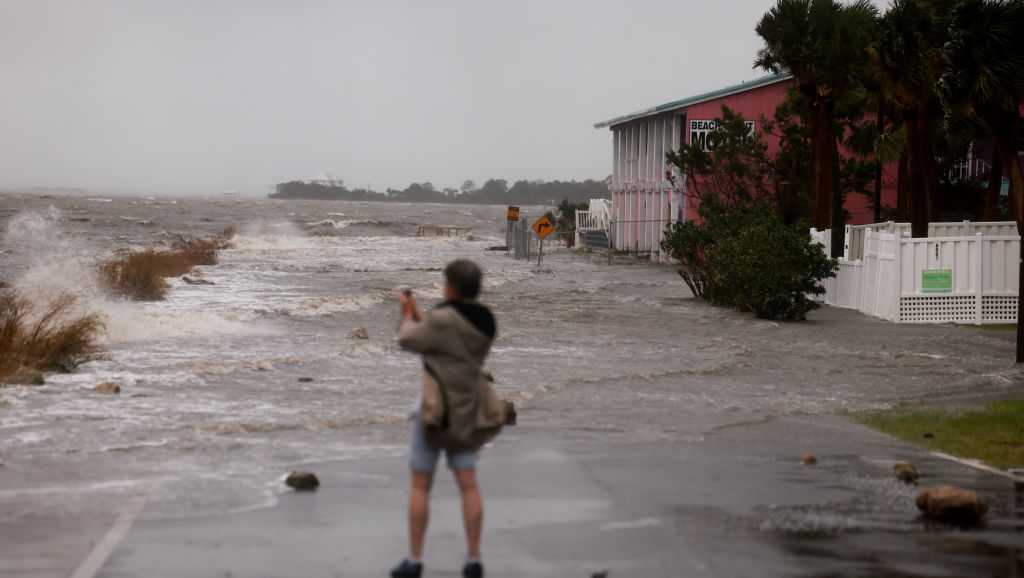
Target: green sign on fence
[(937, 280)]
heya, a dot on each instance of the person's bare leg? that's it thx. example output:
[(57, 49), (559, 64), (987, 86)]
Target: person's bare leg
[(419, 512), (472, 510)]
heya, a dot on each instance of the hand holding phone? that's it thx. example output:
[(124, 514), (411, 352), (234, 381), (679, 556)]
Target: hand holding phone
[(408, 301)]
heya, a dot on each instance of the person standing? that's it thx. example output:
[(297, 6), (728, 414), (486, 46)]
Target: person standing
[(451, 416)]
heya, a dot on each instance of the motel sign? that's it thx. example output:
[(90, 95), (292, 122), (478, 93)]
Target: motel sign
[(702, 132)]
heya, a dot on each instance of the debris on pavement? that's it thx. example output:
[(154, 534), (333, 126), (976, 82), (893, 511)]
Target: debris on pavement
[(906, 472), (302, 481), (952, 505)]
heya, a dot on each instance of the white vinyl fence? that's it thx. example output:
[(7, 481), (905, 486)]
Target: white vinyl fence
[(955, 279), (855, 233)]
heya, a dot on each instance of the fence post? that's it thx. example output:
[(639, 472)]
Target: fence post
[(610, 227), (878, 270), (898, 240), (526, 239), (979, 270)]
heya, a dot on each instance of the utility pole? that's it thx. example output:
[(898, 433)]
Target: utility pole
[(1020, 289)]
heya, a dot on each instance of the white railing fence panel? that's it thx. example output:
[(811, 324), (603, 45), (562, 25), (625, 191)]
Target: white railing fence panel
[(887, 278), (1001, 265), (953, 253), (585, 221)]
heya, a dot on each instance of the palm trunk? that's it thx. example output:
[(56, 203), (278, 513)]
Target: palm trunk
[(822, 167), (878, 161), (931, 166), (1012, 166), (919, 172), (903, 187), (995, 183), (838, 217)]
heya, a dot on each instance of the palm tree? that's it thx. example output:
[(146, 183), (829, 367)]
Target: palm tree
[(984, 80), (908, 61), (984, 83), (822, 43)]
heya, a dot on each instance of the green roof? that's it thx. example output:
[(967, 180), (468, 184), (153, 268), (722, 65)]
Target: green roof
[(677, 104)]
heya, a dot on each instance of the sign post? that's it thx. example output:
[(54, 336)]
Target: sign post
[(543, 227), (511, 217)]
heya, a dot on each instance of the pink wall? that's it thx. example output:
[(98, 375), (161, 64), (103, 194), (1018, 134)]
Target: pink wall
[(762, 101)]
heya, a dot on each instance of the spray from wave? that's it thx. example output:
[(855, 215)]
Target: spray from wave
[(56, 263)]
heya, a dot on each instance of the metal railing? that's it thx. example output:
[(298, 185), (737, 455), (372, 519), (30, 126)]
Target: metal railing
[(591, 221), (638, 236), (596, 218)]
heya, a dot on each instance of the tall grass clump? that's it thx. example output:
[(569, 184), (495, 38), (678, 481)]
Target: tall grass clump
[(141, 275), (51, 336)]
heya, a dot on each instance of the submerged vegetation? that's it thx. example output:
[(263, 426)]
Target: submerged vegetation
[(53, 333), (141, 275), (52, 336), (993, 434)]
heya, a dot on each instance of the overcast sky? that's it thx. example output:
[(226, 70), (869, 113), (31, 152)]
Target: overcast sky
[(184, 97)]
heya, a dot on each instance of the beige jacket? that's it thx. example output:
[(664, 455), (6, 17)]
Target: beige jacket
[(459, 409)]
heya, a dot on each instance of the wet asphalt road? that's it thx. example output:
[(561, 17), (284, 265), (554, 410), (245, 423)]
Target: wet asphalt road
[(738, 503)]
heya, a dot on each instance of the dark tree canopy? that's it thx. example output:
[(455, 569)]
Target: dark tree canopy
[(493, 191)]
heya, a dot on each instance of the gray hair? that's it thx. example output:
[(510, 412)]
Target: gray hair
[(465, 277)]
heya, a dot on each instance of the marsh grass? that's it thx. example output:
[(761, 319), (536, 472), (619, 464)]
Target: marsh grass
[(993, 434), (52, 336), (141, 275)]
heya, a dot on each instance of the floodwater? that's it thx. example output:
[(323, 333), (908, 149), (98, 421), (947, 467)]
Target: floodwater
[(213, 410)]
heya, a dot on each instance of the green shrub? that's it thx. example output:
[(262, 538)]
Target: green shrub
[(746, 257), (688, 242)]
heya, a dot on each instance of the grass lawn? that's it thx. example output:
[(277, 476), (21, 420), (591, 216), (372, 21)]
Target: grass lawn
[(994, 434)]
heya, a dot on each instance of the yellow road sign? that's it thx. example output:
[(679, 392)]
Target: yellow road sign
[(543, 227), (513, 213)]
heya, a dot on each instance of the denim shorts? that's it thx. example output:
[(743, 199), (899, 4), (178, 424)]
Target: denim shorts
[(423, 457)]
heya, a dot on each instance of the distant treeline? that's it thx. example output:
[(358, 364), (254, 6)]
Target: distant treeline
[(493, 191)]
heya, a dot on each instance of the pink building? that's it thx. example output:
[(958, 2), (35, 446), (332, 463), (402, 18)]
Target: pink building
[(644, 200)]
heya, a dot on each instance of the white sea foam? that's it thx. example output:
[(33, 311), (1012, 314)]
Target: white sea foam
[(30, 438), (330, 223), (328, 305), (57, 262), (128, 322), (61, 263), (631, 525)]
